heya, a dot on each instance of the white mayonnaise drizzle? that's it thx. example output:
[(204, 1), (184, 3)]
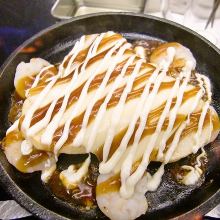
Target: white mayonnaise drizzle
[(79, 138), (37, 79), (27, 119), (119, 79), (79, 47), (106, 167), (175, 141), (205, 109), (152, 182), (186, 72), (91, 53), (110, 164), (119, 108), (71, 176), (179, 131), (83, 94), (194, 173), (128, 183), (47, 136)]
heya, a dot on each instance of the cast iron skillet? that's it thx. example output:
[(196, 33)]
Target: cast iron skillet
[(171, 200)]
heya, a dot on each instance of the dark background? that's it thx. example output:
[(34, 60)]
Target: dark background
[(19, 20)]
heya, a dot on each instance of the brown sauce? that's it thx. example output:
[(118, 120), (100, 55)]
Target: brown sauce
[(79, 58), (40, 113), (29, 161), (149, 45), (108, 40), (12, 137), (150, 128), (48, 73), (99, 56), (24, 84), (82, 195), (194, 121), (77, 122), (16, 107), (112, 184)]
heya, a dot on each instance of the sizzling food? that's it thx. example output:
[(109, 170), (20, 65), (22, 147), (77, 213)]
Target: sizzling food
[(114, 100)]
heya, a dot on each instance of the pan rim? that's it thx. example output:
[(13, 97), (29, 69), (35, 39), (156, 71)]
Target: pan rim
[(24, 199)]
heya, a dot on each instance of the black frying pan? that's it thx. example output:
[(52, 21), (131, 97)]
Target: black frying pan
[(171, 200)]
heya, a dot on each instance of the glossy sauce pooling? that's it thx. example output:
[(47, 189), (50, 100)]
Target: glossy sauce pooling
[(83, 194), (31, 160)]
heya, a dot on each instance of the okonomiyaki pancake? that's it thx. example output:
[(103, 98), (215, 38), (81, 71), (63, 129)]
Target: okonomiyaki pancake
[(113, 99)]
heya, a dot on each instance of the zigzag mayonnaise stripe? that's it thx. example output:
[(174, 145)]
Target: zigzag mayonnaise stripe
[(29, 115), (55, 122), (79, 138), (110, 164), (83, 94), (79, 47), (103, 107), (204, 111), (47, 136), (129, 183), (107, 167), (127, 164), (186, 72), (118, 110)]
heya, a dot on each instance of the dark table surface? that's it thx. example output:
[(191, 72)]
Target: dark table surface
[(19, 20)]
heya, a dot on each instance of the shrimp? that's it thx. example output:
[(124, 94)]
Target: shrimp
[(183, 55), (25, 70), (35, 160), (118, 208)]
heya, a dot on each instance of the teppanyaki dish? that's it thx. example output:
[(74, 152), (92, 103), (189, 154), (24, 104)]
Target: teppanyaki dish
[(128, 104)]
